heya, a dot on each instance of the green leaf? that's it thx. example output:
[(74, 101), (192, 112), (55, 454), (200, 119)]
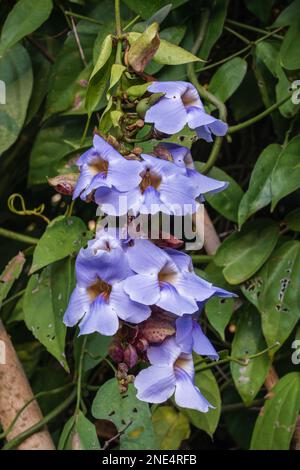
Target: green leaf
[(279, 300), (16, 73), (289, 51), (248, 340), (208, 386), (65, 439), (45, 301), (171, 427), (219, 312), (96, 350), (52, 144), (64, 236), (148, 8), (228, 78), (268, 52), (259, 192), (288, 15), (143, 48), (275, 426), (244, 252), (286, 173), (261, 9), (225, 202), (292, 220), (10, 274), (98, 78), (84, 434), (186, 137), (122, 410), (22, 20), (215, 26)]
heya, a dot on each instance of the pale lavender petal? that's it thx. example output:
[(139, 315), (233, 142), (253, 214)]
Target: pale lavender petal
[(201, 343), (161, 167), (204, 184), (189, 396), (192, 285), (170, 89), (164, 354), (101, 318), (204, 133), (152, 203), (178, 194), (124, 174), (105, 150), (116, 203), (155, 384), (218, 127), (174, 302), (146, 258), (197, 118), (168, 115), (83, 182), (181, 259), (125, 308), (184, 336), (143, 288), (79, 305)]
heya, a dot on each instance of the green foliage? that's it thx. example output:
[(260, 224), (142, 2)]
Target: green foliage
[(170, 427)]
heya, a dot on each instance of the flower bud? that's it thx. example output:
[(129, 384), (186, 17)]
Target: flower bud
[(64, 184), (130, 356), (141, 344), (156, 329), (116, 352)]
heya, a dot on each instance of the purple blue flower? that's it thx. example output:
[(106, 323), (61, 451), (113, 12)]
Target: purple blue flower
[(99, 299), (103, 166), (171, 371), (179, 106), (182, 157), (164, 187), (166, 278), (190, 337)]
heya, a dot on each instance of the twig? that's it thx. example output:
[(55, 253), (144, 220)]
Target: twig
[(77, 39), (18, 237), (41, 48), (119, 434)]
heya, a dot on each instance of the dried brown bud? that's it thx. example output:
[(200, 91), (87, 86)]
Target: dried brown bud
[(130, 356), (156, 329), (116, 352), (64, 184)]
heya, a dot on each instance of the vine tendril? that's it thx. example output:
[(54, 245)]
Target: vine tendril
[(38, 211)]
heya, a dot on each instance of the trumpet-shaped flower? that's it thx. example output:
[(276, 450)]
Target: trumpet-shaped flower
[(182, 157), (99, 299), (179, 106), (190, 337), (165, 278), (171, 371), (164, 187), (103, 166)]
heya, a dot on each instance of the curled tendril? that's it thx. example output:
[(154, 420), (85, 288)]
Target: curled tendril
[(38, 211)]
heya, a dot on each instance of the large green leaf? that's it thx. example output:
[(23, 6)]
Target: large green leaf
[(171, 427), (122, 410), (248, 340), (286, 173), (11, 272), (45, 301), (279, 299), (244, 252), (289, 52), (288, 15), (52, 144), (275, 425), (225, 202), (228, 78), (64, 236), (22, 20), (208, 386), (96, 348), (16, 73), (84, 434), (260, 9), (259, 192)]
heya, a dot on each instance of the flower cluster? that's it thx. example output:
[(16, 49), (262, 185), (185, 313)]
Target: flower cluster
[(147, 296)]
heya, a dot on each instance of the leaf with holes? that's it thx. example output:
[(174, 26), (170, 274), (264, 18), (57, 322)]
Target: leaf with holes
[(244, 252), (64, 236), (125, 411), (248, 340), (279, 301), (171, 427), (45, 301), (275, 425), (208, 386)]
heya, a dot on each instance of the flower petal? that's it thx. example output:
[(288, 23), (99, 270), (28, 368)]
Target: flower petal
[(79, 305), (204, 184), (146, 258), (155, 384), (184, 337), (172, 301), (165, 353), (168, 115), (142, 288), (124, 174), (125, 308), (101, 318), (178, 194), (170, 89), (189, 396), (201, 343)]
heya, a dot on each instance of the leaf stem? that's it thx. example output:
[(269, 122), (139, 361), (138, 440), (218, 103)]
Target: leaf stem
[(79, 375), (82, 17)]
